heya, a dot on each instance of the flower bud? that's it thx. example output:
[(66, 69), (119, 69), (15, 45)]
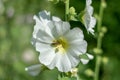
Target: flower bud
[(104, 29), (105, 60), (72, 11), (97, 51), (104, 5), (89, 72), (74, 72)]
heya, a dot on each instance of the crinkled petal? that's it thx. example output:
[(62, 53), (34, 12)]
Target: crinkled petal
[(62, 62), (44, 15), (79, 48), (56, 19), (59, 28), (74, 59), (41, 47), (88, 20), (75, 41), (47, 54), (38, 25), (44, 36), (89, 8), (41, 21), (74, 36)]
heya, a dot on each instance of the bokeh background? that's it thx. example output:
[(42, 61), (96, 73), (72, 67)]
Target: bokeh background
[(16, 51)]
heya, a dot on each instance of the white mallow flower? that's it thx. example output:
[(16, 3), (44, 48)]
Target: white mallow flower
[(88, 20), (58, 45)]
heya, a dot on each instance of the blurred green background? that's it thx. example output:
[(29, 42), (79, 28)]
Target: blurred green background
[(16, 51)]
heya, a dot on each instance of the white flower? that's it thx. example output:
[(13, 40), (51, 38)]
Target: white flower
[(88, 20), (58, 45)]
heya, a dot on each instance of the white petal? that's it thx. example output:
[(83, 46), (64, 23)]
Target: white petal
[(46, 56), (89, 10), (78, 49), (90, 56), (74, 59), (62, 62), (74, 36), (88, 2), (34, 69), (75, 41), (88, 20), (59, 28), (38, 25), (56, 18), (44, 15), (41, 21), (44, 36), (41, 47), (84, 61)]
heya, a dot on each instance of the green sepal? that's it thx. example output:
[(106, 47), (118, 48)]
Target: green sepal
[(81, 16), (84, 56)]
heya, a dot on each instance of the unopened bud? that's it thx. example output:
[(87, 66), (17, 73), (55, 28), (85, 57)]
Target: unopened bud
[(97, 51), (89, 72), (104, 5), (72, 11), (105, 60), (104, 29), (74, 72)]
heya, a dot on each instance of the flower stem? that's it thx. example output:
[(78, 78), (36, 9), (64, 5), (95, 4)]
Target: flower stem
[(66, 9), (99, 41)]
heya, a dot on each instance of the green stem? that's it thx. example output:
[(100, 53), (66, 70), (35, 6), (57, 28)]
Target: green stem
[(66, 9), (97, 67), (99, 42)]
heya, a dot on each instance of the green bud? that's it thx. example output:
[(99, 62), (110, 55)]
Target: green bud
[(72, 14), (104, 5), (97, 51), (72, 11), (105, 60), (104, 29), (89, 72), (74, 72)]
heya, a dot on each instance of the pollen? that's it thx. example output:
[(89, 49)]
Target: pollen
[(60, 45)]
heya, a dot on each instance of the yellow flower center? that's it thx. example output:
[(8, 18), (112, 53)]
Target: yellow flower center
[(60, 45)]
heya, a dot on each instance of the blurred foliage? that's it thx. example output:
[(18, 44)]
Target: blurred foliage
[(16, 26)]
